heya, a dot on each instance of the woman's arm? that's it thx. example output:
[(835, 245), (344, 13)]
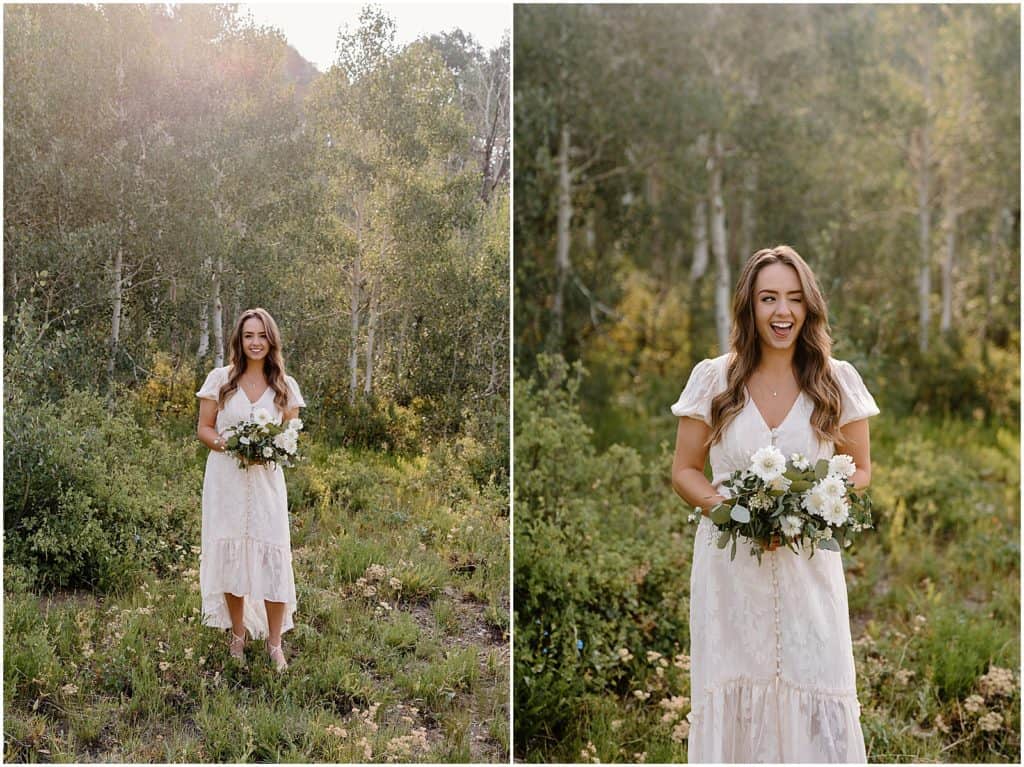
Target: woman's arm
[(289, 415), (856, 443), (688, 478), (207, 430)]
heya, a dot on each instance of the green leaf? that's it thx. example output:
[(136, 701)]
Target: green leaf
[(720, 514), (800, 486), (821, 469), (741, 514), (723, 539), (828, 544), (732, 553), (793, 475)]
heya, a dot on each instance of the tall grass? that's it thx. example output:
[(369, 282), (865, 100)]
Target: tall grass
[(399, 651)]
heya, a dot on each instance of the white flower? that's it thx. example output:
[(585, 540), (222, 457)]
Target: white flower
[(842, 466), (244, 440), (780, 483), (799, 462), (823, 535), (768, 463), (286, 441), (791, 525), (268, 452), (831, 487), (261, 416), (835, 511), (295, 424), (813, 500)]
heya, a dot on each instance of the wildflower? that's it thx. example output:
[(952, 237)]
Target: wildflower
[(188, 653), (991, 722), (974, 704), (625, 655), (639, 757), (616, 724), (941, 724), (768, 463), (376, 572), (395, 584), (69, 689), (641, 695), (652, 656), (589, 753), (903, 677), (164, 665), (681, 731), (682, 661), (841, 466), (998, 681), (336, 731), (791, 525)]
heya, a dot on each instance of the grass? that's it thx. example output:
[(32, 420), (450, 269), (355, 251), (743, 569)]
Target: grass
[(399, 651), (934, 595)]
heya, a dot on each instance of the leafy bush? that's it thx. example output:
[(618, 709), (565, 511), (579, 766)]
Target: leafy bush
[(372, 424), (92, 499), (592, 573)]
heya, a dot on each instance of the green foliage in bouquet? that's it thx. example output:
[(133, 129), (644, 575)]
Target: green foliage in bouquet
[(792, 501), (264, 443)]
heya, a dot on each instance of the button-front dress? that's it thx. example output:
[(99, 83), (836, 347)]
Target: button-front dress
[(246, 544), (772, 672)]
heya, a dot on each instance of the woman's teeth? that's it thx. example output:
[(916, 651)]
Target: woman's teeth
[(781, 329)]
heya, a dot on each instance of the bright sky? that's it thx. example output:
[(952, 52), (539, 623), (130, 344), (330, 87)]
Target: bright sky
[(312, 28)]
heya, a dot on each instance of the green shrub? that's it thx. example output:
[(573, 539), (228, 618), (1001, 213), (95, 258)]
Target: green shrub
[(90, 498), (592, 571)]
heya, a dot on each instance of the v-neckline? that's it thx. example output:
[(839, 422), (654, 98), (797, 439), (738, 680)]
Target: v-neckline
[(764, 420), (253, 403)]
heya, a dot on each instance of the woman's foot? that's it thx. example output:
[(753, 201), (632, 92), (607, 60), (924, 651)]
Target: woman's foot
[(237, 647), (277, 656)]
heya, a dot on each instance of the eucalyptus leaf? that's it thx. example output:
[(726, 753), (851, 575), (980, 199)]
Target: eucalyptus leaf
[(732, 553), (740, 514), (800, 486), (723, 539), (720, 514), (828, 544), (821, 469)]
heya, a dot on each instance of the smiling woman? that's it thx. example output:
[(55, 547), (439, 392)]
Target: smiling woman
[(245, 568)]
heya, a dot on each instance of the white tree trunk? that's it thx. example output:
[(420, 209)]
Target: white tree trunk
[(749, 211), (371, 332), (723, 280), (354, 299), (116, 292), (700, 240), (562, 263), (924, 211), (217, 310), (204, 320), (948, 263)]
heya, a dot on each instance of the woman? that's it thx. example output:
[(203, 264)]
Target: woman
[(772, 675), (245, 570)]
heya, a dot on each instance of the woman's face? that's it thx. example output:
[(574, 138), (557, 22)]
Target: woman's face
[(254, 339), (779, 308)]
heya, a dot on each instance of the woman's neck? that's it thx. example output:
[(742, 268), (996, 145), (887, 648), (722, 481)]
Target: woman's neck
[(776, 363), (253, 367)]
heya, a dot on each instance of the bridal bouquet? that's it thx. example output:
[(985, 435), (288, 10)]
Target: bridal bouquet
[(800, 503), (262, 441)]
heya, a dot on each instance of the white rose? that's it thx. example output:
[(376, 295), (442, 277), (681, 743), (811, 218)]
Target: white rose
[(841, 465), (261, 416)]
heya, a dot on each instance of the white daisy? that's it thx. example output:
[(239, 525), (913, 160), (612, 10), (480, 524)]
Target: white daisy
[(261, 416), (841, 465), (835, 511), (268, 452), (813, 500), (791, 525), (799, 462), (768, 463), (831, 487)]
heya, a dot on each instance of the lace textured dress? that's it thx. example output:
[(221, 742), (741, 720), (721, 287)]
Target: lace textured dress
[(246, 544), (772, 673)]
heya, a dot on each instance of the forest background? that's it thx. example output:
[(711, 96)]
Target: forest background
[(166, 167), (656, 148)]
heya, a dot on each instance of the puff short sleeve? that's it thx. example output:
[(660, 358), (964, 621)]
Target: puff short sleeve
[(857, 402), (703, 386), (211, 386), (294, 395)]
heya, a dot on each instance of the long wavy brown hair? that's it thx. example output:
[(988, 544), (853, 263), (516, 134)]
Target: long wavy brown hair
[(810, 358), (273, 364)]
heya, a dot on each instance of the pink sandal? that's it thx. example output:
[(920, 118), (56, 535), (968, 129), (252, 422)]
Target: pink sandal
[(237, 647), (277, 656)]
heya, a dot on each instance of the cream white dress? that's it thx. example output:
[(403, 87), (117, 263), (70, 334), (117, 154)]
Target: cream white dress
[(246, 544), (772, 674)]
